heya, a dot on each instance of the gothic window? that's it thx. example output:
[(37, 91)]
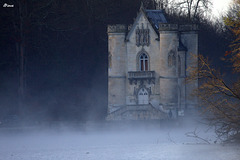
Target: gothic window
[(143, 96), (109, 60), (171, 59), (179, 66), (143, 62), (145, 37), (138, 36), (142, 36)]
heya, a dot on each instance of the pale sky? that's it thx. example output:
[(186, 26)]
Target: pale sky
[(220, 6)]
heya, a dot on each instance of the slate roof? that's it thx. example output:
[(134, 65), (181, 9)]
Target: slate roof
[(155, 17), (181, 47)]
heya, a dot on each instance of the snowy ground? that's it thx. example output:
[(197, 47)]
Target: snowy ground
[(143, 143)]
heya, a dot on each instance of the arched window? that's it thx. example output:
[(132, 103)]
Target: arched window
[(179, 66), (143, 62), (109, 60), (174, 60), (171, 59), (143, 96)]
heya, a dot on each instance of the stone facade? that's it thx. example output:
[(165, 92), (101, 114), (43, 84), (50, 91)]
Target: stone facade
[(148, 64)]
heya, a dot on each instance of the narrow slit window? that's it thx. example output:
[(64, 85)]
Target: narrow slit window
[(171, 59), (179, 66)]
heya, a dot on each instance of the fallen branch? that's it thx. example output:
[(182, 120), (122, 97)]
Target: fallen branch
[(194, 135)]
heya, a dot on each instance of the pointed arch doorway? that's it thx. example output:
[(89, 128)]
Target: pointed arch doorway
[(143, 97)]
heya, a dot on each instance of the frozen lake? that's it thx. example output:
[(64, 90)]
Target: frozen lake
[(144, 143)]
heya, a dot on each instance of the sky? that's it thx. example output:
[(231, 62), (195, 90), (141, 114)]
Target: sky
[(220, 6)]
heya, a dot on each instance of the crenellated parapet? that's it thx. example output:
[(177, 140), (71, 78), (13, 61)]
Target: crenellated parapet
[(118, 28), (188, 27), (168, 27), (176, 27)]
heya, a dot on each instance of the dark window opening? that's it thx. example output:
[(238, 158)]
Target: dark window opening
[(144, 62)]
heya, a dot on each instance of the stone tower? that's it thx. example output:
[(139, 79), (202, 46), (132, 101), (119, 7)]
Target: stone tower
[(148, 64)]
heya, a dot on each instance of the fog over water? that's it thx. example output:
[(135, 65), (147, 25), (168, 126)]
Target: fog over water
[(114, 141)]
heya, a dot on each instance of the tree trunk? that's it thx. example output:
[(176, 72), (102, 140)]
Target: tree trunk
[(21, 51)]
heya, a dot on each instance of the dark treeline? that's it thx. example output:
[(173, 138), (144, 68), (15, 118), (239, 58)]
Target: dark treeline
[(63, 73)]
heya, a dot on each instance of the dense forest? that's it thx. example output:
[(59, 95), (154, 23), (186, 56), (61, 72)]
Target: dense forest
[(53, 59)]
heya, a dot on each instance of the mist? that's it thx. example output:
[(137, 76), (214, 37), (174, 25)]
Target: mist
[(172, 140)]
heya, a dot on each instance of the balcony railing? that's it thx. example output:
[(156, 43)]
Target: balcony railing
[(141, 76)]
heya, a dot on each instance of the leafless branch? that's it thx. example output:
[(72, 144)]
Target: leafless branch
[(194, 134)]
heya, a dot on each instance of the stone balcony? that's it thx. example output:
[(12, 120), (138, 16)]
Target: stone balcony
[(135, 76)]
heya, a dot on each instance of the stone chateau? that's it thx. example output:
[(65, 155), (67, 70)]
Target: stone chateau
[(148, 64)]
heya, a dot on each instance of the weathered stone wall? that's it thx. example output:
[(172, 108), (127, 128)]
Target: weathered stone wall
[(117, 67), (168, 74), (190, 39), (133, 52)]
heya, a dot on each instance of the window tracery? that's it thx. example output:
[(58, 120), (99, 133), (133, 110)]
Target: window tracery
[(143, 62), (179, 66), (142, 36), (109, 60), (171, 59)]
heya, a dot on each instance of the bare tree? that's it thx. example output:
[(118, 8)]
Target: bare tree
[(220, 100), (26, 17), (20, 29), (220, 95), (191, 8), (232, 20)]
